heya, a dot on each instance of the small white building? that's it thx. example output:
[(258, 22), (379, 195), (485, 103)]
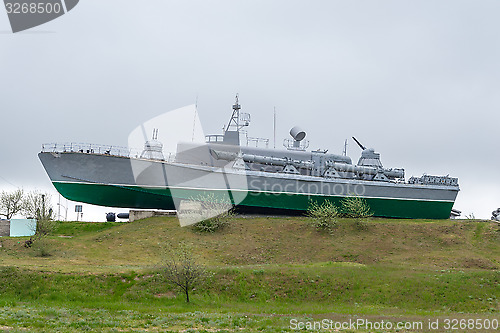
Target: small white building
[(17, 227)]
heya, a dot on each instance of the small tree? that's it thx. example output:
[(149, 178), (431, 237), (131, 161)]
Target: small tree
[(11, 203), (182, 270), (324, 216), (38, 205)]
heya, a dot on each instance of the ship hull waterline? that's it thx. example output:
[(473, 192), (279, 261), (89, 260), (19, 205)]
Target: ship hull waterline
[(255, 202), (70, 175)]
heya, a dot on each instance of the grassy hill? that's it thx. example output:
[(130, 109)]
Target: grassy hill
[(265, 271)]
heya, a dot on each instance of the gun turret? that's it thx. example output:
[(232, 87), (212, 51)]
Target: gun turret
[(359, 144), (368, 157)]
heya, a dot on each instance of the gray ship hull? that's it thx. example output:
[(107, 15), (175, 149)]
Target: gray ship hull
[(117, 181)]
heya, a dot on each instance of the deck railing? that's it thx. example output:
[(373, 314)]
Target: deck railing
[(90, 148)]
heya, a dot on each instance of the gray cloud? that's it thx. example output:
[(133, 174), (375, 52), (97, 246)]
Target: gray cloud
[(417, 81)]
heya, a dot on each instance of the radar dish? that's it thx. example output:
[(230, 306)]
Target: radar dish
[(297, 133)]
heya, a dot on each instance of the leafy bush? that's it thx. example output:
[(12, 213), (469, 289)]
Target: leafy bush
[(355, 207), (218, 212), (42, 248), (38, 242), (45, 227), (324, 216)]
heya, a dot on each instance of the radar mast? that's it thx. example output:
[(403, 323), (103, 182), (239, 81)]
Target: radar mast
[(236, 123)]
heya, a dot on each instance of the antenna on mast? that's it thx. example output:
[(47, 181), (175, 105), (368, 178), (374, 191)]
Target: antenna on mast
[(234, 122), (345, 148), (194, 117), (274, 128)]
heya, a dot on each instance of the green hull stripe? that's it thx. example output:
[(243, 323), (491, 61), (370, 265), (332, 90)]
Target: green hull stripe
[(161, 198), (116, 196), (149, 188)]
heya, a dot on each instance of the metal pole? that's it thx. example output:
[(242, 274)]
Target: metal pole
[(59, 208), (274, 128), (42, 217)]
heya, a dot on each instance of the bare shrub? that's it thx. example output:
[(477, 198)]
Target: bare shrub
[(181, 269)]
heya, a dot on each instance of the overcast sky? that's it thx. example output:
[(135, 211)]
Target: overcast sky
[(417, 81)]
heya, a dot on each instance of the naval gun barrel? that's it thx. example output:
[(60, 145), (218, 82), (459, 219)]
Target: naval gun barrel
[(277, 161), (359, 143), (390, 173), (231, 156)]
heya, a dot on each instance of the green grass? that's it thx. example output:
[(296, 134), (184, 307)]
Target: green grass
[(106, 277), (82, 228)]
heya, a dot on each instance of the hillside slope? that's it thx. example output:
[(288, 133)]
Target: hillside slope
[(264, 272), (76, 246)]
